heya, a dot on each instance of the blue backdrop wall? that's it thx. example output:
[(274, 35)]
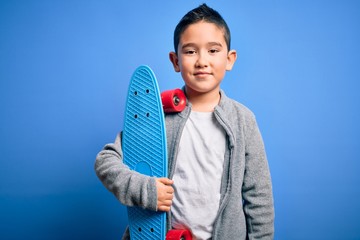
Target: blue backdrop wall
[(64, 71)]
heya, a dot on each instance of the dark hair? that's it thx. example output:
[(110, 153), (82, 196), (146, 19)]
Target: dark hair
[(201, 13)]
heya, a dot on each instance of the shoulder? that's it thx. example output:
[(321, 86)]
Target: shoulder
[(234, 109)]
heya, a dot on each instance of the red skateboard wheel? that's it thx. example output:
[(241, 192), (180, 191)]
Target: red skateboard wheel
[(173, 100), (178, 234)]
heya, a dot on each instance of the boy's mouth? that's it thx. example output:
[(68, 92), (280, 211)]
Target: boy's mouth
[(201, 74)]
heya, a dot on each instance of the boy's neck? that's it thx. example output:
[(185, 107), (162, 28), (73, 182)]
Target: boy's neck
[(203, 102)]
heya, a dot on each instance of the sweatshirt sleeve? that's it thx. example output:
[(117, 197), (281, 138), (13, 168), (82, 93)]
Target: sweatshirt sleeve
[(257, 187), (129, 187)]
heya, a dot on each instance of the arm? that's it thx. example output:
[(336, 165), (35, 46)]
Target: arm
[(257, 188), (129, 187)]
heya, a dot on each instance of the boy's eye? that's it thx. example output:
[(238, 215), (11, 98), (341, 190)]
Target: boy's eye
[(214, 50), (190, 52)]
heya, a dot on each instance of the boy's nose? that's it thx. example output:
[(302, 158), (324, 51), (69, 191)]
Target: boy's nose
[(201, 60)]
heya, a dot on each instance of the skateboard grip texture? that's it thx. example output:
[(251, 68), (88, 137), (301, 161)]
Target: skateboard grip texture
[(144, 147), (144, 137)]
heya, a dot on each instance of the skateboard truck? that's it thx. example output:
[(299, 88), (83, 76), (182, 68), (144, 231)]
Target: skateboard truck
[(173, 100)]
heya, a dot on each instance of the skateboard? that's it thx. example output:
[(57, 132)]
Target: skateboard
[(144, 147)]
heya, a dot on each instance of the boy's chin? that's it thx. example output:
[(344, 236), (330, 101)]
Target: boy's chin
[(201, 89)]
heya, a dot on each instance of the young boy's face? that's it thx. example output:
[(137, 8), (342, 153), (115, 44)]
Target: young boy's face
[(203, 57)]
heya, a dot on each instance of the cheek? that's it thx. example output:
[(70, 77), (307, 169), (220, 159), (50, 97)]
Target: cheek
[(221, 64), (184, 64)]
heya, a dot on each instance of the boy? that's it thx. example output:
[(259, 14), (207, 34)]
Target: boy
[(219, 183)]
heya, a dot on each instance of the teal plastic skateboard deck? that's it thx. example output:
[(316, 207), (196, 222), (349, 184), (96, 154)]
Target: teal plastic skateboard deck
[(144, 147)]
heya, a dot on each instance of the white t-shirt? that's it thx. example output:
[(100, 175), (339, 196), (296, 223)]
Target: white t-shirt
[(198, 174)]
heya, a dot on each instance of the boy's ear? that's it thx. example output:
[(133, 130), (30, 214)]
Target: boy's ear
[(175, 61), (231, 58)]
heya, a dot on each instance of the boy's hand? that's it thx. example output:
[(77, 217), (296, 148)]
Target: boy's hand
[(165, 194)]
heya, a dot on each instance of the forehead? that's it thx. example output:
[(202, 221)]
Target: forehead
[(202, 32)]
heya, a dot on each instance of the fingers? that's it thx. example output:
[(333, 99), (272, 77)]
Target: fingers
[(165, 194), (165, 206), (165, 181)]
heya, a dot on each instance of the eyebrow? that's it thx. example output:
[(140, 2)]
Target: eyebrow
[(195, 45), (215, 44)]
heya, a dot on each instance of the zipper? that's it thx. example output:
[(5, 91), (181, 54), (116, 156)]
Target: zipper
[(225, 198), (177, 143)]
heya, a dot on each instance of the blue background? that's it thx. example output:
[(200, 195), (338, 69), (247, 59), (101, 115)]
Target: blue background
[(64, 71)]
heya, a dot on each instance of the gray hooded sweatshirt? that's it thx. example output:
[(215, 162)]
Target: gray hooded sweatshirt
[(246, 208)]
